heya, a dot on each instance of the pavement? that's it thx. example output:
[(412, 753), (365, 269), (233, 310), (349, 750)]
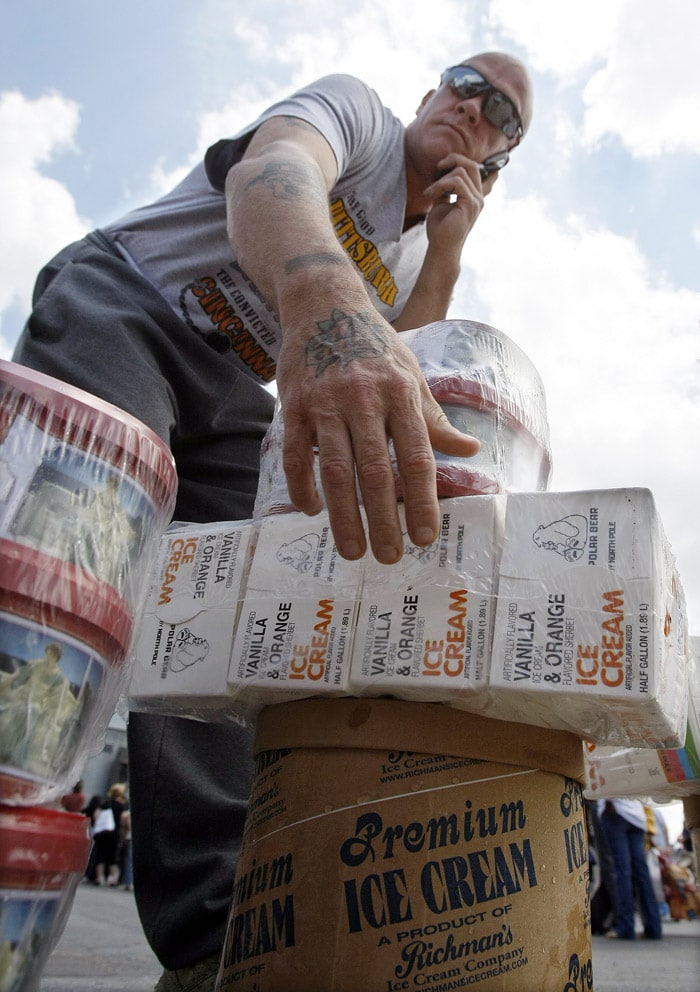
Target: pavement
[(103, 949)]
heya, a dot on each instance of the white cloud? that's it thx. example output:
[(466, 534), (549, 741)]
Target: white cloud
[(643, 87), (39, 214), (648, 94), (560, 38)]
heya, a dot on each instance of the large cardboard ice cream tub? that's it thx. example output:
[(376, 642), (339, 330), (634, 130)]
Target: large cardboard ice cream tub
[(393, 845)]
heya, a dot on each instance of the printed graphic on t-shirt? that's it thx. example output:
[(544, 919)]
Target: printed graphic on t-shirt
[(362, 251), (232, 320), (226, 309)]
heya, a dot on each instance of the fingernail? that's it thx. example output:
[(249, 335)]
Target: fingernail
[(388, 554), (424, 536), (351, 550)]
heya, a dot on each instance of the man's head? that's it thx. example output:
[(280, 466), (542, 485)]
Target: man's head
[(509, 76), (481, 113)]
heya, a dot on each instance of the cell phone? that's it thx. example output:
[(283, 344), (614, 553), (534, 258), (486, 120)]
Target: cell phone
[(493, 163)]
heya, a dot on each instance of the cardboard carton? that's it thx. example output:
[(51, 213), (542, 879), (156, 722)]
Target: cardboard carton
[(380, 854), (183, 647), (424, 625), (297, 620), (591, 631)]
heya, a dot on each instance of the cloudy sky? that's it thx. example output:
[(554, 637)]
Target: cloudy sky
[(587, 253)]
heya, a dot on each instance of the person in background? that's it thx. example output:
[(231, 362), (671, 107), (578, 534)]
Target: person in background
[(658, 849), (104, 838), (602, 873), (624, 824), (293, 252), (120, 806), (90, 811), (126, 872), (74, 801)]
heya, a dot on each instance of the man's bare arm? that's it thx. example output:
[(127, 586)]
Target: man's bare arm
[(346, 382)]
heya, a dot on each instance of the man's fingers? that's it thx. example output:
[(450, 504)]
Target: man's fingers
[(298, 458), (351, 435), (337, 471)]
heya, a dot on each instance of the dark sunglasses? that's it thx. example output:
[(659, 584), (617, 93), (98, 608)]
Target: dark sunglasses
[(497, 108)]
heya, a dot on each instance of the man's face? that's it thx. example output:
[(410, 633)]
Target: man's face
[(447, 122)]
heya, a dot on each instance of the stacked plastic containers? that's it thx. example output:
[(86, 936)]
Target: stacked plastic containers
[(86, 491), (487, 386)]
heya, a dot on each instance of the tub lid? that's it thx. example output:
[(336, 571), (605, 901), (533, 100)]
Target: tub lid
[(86, 421), (43, 840), (58, 594), (482, 365), (428, 728)]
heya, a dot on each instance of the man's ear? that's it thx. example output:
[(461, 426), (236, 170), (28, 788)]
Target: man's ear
[(424, 100)]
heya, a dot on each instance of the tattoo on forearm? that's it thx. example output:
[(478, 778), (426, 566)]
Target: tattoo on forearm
[(343, 338), (311, 260)]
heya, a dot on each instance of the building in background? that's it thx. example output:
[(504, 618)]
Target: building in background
[(109, 765)]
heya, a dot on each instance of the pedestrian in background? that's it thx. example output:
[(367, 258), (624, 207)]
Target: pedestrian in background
[(104, 836), (602, 870), (74, 801), (624, 824)]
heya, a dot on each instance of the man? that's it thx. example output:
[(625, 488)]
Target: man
[(624, 824), (344, 226)]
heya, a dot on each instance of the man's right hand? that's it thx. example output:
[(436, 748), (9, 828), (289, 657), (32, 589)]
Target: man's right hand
[(349, 390)]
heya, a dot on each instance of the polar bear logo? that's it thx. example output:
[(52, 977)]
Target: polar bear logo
[(567, 537), (189, 650), (300, 553)]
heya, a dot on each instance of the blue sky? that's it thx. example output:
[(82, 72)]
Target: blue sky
[(587, 253)]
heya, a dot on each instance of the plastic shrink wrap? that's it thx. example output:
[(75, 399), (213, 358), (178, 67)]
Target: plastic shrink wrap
[(570, 643), (560, 610), (85, 493), (661, 774), (43, 853), (591, 629), (488, 387)]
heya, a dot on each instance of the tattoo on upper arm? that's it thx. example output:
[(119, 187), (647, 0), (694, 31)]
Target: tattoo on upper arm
[(343, 338), (312, 259), (286, 180), (298, 122)]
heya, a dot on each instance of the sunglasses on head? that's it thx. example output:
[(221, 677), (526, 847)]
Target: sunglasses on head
[(497, 108)]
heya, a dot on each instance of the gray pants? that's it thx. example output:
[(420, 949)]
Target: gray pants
[(97, 324)]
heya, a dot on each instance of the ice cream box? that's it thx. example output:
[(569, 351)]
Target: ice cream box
[(183, 645), (662, 774), (591, 630), (294, 635), (424, 625)]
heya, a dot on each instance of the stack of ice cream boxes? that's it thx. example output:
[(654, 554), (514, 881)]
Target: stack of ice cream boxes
[(558, 609), (86, 492)]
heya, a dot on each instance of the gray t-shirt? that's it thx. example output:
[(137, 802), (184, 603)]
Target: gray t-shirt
[(179, 243)]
